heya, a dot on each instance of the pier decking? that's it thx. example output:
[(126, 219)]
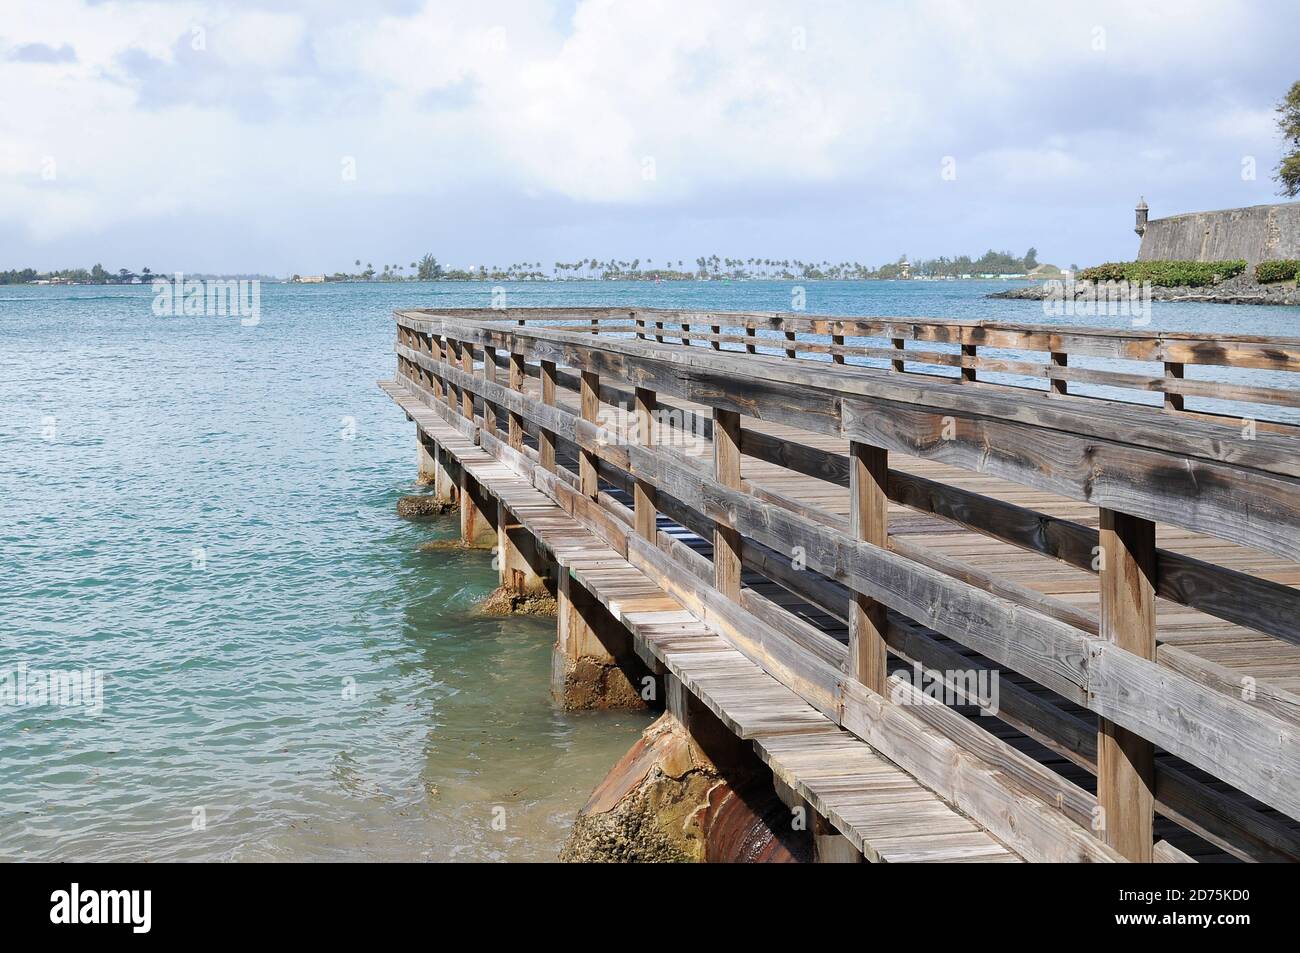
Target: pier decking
[(787, 515)]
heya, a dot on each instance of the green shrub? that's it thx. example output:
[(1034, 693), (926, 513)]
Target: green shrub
[(1166, 274), (1286, 269)]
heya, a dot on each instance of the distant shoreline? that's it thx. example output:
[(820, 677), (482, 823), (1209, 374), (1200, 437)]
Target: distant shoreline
[(644, 279), (1239, 290)]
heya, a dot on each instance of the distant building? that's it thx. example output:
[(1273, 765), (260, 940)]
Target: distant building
[(1258, 233), (905, 269)]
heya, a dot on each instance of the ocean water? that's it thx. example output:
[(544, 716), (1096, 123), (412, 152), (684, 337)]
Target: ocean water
[(203, 514)]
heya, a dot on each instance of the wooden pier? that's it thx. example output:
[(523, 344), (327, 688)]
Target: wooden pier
[(972, 591)]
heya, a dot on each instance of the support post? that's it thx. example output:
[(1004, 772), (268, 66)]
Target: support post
[(453, 359), (594, 665), (426, 455), (716, 331), (521, 566), (1126, 761), (467, 365), (790, 351), (868, 519), (435, 352), (726, 470), (588, 462), (1173, 372), (967, 355), (749, 345), (489, 375), (838, 356), (900, 345), (1058, 385), (478, 514), (643, 494), (546, 438), (516, 384), (445, 486)]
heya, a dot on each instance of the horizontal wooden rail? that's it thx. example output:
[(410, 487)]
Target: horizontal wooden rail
[(1021, 353)]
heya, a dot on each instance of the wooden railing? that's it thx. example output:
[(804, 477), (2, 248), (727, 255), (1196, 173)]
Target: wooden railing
[(1137, 466), (1244, 376)]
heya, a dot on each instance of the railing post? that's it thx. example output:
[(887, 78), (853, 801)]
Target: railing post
[(1173, 372), (467, 365), (489, 375), (967, 373), (517, 374), (726, 470), (659, 332), (789, 351), (453, 359), (1058, 385), (716, 331), (1126, 761), (588, 465), (749, 345), (900, 345), (435, 352), (643, 495), (837, 340), (686, 334), (869, 522), (545, 437), (639, 323)]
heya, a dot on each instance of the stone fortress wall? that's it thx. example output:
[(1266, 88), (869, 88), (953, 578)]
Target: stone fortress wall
[(1258, 233)]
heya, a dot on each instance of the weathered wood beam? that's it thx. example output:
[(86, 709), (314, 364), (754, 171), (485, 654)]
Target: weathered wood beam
[(1126, 760), (726, 470), (546, 437), (868, 521), (587, 461), (644, 492)]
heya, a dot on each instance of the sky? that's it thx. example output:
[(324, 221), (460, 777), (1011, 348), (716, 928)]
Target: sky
[(296, 137)]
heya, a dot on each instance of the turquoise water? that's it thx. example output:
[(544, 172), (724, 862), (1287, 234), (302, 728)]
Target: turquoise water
[(203, 513)]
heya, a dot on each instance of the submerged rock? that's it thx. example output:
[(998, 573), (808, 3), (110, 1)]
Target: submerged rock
[(505, 601), (423, 506)]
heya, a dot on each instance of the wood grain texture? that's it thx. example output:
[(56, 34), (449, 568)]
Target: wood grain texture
[(868, 522), (1125, 760), (726, 470)]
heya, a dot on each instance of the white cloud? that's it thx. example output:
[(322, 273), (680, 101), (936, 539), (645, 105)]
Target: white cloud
[(500, 96)]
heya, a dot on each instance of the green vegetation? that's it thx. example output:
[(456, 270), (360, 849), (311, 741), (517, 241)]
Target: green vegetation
[(73, 276), (705, 267), (1166, 274), (1287, 173), (992, 264), (1286, 269)]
